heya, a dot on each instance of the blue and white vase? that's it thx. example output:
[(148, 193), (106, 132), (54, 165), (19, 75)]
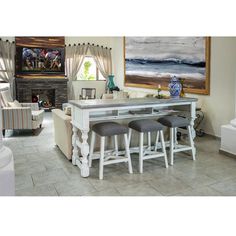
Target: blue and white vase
[(175, 87)]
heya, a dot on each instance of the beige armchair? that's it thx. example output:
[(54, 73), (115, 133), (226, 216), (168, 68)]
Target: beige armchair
[(26, 116)]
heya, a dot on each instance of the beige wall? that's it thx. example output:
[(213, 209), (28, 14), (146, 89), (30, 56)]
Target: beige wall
[(220, 105)]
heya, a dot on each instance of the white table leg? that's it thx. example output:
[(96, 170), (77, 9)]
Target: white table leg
[(84, 152), (75, 155), (92, 144), (193, 117)]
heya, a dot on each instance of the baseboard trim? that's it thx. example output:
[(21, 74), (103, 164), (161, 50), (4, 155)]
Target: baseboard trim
[(213, 136), (227, 153)]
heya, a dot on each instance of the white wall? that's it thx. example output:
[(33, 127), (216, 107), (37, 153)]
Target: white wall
[(10, 38), (220, 105), (118, 60)]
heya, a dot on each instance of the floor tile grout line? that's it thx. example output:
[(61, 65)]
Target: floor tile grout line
[(56, 190), (171, 194), (32, 180), (216, 190), (146, 182)]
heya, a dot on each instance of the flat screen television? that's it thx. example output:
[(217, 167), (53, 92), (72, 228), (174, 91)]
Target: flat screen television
[(41, 60)]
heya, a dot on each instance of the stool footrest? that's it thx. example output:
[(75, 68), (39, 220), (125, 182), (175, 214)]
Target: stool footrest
[(117, 160), (96, 155), (182, 149), (153, 156)]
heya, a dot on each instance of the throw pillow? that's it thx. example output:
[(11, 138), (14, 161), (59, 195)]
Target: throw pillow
[(14, 104), (67, 111), (6, 97)]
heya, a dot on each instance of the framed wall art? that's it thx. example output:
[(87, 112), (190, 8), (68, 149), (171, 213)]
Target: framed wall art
[(150, 61)]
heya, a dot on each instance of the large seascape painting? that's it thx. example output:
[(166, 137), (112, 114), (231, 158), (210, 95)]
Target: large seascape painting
[(150, 61)]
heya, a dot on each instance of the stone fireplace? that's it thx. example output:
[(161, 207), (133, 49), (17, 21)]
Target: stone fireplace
[(50, 93)]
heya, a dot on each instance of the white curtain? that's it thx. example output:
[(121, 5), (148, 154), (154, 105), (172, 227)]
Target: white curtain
[(74, 60), (7, 64), (102, 57)]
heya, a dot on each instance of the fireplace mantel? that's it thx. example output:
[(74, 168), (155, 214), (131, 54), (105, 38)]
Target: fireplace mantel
[(24, 87)]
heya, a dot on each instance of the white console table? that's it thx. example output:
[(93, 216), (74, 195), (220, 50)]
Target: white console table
[(86, 111)]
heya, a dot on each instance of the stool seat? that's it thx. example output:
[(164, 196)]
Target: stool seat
[(174, 121), (145, 125), (148, 126), (109, 129)]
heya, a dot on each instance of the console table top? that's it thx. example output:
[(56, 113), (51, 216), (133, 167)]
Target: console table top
[(106, 103)]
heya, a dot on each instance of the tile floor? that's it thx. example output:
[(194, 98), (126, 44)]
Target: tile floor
[(42, 170)]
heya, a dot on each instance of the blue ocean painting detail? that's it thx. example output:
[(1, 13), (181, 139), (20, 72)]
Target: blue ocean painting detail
[(165, 67), (153, 60)]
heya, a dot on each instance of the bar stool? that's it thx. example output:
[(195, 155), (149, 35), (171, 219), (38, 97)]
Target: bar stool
[(104, 130), (148, 126), (174, 122)]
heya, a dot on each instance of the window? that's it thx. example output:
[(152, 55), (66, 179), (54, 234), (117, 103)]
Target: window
[(89, 70)]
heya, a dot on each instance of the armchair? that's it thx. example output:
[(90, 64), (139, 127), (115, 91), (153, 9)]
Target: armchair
[(28, 116)]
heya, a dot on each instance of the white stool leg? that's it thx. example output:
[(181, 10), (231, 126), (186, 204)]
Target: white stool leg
[(116, 145), (102, 150), (164, 148), (191, 142), (92, 148), (129, 135), (175, 137), (127, 153), (149, 140), (157, 140), (171, 146), (141, 152)]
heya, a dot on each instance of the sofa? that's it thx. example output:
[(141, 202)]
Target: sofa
[(62, 132), (19, 116)]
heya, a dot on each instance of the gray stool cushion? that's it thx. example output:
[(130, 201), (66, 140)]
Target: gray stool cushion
[(174, 121), (109, 129), (145, 125)]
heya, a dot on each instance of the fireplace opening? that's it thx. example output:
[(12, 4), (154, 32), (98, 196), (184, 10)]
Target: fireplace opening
[(44, 97)]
